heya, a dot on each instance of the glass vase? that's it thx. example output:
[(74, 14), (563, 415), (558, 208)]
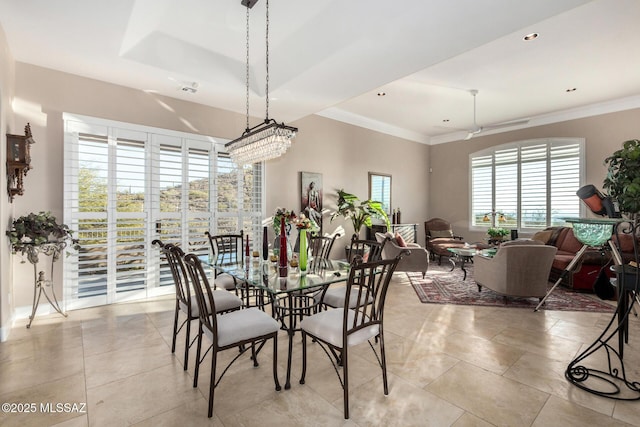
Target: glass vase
[(283, 261), (276, 247), (303, 251), (265, 244)]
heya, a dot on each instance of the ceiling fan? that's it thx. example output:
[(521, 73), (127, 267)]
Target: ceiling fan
[(477, 128)]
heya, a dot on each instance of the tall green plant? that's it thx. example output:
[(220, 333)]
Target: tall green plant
[(623, 177), (359, 212)]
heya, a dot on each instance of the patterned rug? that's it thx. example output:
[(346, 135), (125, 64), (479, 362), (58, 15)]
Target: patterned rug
[(442, 286)]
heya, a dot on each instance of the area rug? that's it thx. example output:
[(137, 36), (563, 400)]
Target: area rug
[(442, 286)]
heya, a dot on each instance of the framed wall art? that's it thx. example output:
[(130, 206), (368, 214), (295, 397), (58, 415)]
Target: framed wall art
[(311, 196)]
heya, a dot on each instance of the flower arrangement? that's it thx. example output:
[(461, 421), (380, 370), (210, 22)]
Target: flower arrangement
[(37, 229), (280, 215), (497, 232), (308, 224)]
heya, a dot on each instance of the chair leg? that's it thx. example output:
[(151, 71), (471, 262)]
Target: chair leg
[(304, 357), (345, 379), (175, 328), (254, 356), (197, 370), (212, 385), (187, 341), (275, 362), (383, 359)]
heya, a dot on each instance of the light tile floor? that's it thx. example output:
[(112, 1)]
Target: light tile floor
[(448, 365)]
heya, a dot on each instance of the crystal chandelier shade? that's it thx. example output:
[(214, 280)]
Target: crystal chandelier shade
[(269, 139)]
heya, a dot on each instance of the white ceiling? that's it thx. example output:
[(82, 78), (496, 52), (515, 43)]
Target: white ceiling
[(332, 57)]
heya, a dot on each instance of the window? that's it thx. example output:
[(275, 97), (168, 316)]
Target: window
[(126, 185), (527, 184), (380, 190)]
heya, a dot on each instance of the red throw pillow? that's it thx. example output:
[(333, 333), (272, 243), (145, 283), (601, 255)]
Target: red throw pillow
[(400, 241)]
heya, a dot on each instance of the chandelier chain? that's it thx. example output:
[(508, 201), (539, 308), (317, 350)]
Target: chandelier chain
[(267, 62), (269, 139), (247, 69)]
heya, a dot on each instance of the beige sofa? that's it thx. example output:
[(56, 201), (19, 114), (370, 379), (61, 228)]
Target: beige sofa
[(417, 260), (520, 268)]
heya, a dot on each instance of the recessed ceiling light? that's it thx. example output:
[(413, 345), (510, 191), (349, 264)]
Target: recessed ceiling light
[(382, 93), (572, 89), (529, 37)]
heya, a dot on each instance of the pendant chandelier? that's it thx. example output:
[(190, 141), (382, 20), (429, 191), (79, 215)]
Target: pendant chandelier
[(269, 139)]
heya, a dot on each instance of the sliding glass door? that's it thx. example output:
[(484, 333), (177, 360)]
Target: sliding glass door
[(127, 185)]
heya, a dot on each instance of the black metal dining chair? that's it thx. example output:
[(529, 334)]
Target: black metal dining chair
[(352, 324), (233, 330), (229, 249), (186, 301), (320, 246), (367, 251)]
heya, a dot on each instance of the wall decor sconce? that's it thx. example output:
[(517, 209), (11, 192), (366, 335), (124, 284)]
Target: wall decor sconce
[(18, 161)]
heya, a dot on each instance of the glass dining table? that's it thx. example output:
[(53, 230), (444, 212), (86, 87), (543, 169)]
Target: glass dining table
[(291, 297)]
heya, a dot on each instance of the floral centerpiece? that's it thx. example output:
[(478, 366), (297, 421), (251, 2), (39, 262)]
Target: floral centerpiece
[(34, 230), (307, 224), (282, 220), (280, 215)]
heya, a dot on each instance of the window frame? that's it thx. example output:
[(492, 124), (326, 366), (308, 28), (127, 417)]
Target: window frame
[(519, 145)]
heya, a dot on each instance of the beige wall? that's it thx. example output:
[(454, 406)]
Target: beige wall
[(449, 191), (6, 126), (344, 154)]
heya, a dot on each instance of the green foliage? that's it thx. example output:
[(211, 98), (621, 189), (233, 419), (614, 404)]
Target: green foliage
[(36, 229), (359, 212), (496, 232), (623, 177)]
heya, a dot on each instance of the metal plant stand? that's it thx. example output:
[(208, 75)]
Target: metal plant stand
[(609, 377), (41, 283)]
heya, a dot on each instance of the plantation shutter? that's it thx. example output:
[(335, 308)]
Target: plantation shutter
[(126, 185), (565, 178), (506, 187), (482, 185), (533, 183), (534, 186)]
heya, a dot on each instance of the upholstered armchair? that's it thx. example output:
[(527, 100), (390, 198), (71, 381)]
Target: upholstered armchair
[(519, 269), (417, 260), (440, 237)]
